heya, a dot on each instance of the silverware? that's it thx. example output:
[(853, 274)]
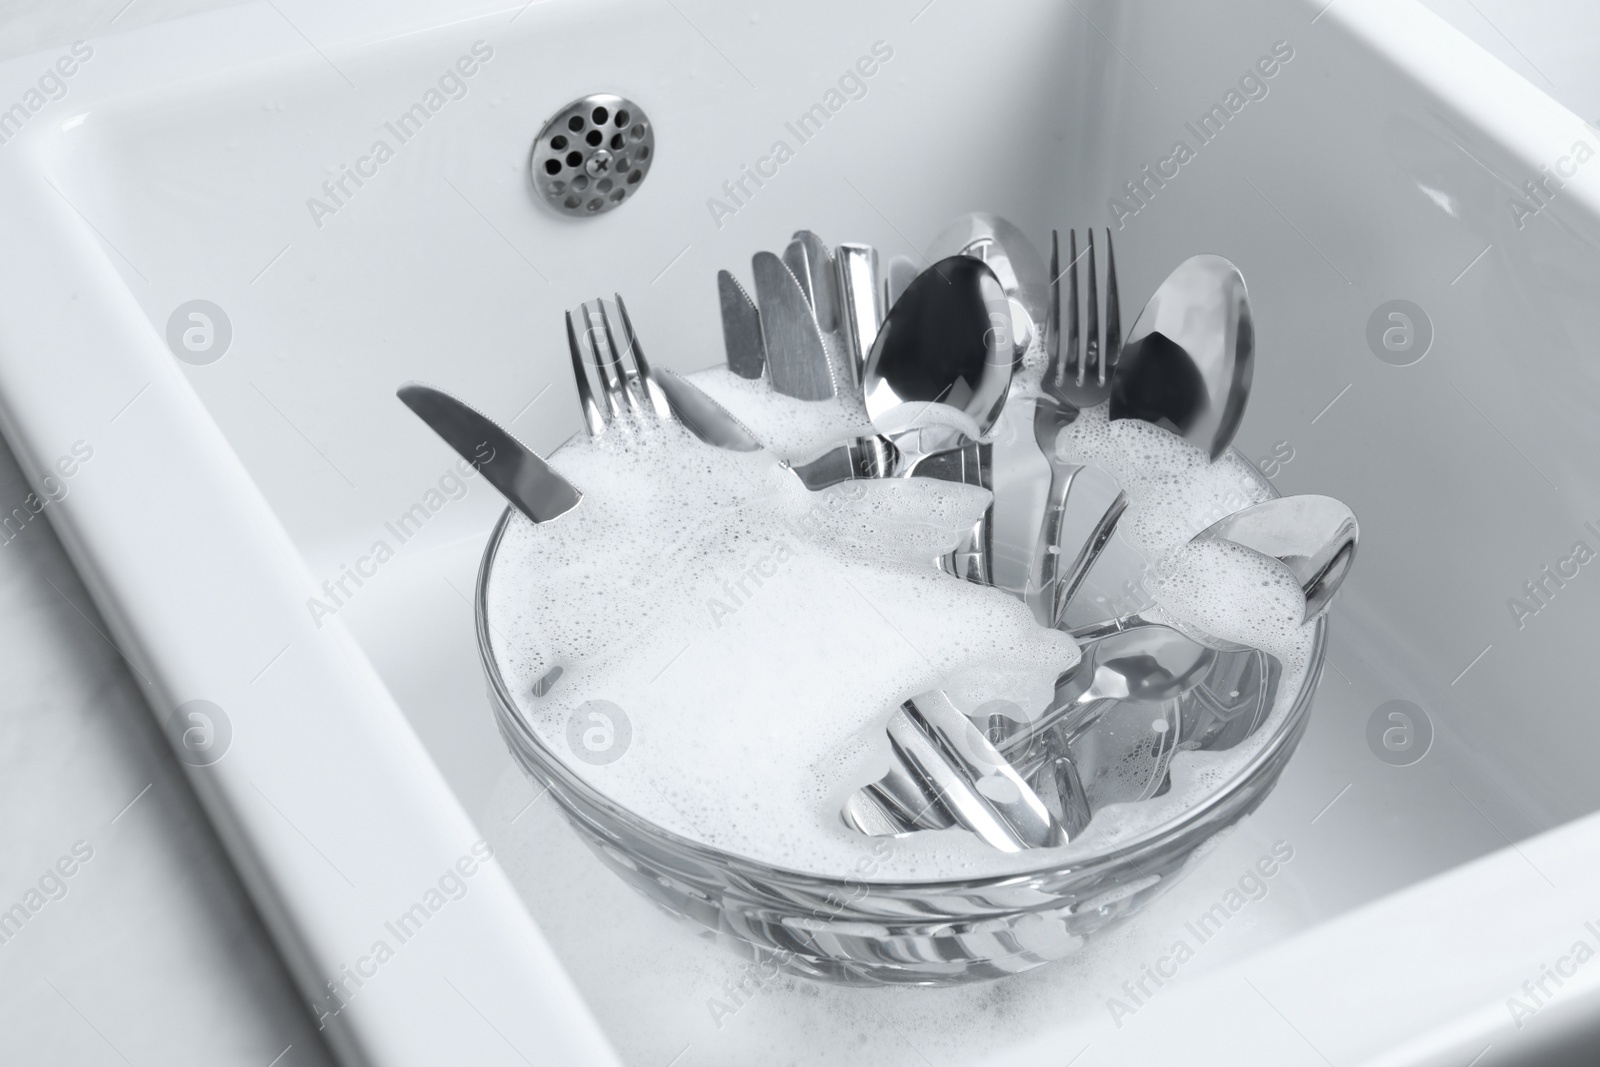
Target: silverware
[(970, 464), (1072, 379), (937, 379), (627, 384), (1065, 786), (741, 328), (1188, 360), (1186, 364), (1083, 377), (861, 306), (1014, 261), (1314, 536), (865, 813), (507, 464), (896, 280), (809, 260), (703, 416), (1005, 792), (865, 457), (797, 359), (1147, 665), (949, 774), (941, 367)]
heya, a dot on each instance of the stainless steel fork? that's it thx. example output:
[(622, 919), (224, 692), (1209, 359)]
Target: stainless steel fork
[(627, 385), (624, 374), (1074, 378), (1082, 376)]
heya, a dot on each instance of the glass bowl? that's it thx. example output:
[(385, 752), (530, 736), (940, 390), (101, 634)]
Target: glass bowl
[(963, 929)]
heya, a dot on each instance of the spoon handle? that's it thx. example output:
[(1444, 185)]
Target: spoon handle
[(1041, 596), (1087, 556)]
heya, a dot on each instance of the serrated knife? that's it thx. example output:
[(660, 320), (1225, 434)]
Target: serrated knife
[(741, 328), (797, 360), (509, 465)]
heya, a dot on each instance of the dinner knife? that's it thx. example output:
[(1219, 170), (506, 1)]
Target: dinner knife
[(509, 465), (797, 361), (741, 328)]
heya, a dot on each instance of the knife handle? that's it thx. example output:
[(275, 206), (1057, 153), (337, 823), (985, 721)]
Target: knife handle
[(860, 303)]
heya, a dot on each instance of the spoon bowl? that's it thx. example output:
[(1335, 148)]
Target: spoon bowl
[(1014, 260), (1187, 363), (941, 366), (1314, 536), (1146, 664)]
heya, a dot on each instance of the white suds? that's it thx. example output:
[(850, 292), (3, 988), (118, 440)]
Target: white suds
[(756, 636)]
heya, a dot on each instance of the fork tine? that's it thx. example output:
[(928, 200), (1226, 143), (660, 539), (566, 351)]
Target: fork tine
[(593, 418), (1094, 369), (616, 375), (605, 373), (647, 384), (1113, 310), (1074, 365), (627, 383)]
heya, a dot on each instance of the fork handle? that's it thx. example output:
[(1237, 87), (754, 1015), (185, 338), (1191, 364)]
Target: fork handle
[(1088, 555), (1042, 594)]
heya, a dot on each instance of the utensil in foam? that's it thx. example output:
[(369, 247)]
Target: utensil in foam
[(865, 457), (948, 774), (811, 262), (1314, 536), (797, 357), (506, 463), (1074, 377), (1145, 665), (940, 368), (861, 306), (1081, 365), (741, 328), (1188, 361), (627, 385), (1014, 261)]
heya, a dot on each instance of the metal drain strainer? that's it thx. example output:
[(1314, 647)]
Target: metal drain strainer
[(593, 154)]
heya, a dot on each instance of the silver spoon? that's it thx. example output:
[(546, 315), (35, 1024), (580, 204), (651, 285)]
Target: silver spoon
[(1148, 664), (1314, 536), (1186, 364), (941, 366), (1014, 260)]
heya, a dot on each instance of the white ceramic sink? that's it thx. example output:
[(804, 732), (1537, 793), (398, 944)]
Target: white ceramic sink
[(1384, 162)]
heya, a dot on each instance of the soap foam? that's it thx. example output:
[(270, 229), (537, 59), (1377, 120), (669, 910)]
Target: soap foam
[(757, 635), (796, 430)]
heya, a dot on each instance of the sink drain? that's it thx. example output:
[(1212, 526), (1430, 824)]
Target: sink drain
[(593, 154)]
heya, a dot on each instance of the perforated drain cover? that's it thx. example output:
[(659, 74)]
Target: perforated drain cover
[(593, 154)]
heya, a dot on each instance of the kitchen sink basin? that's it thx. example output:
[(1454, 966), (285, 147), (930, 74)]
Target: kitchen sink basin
[(214, 278)]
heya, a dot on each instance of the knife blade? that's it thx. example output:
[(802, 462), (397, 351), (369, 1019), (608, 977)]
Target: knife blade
[(809, 260), (797, 360), (509, 465), (704, 417), (741, 328)]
